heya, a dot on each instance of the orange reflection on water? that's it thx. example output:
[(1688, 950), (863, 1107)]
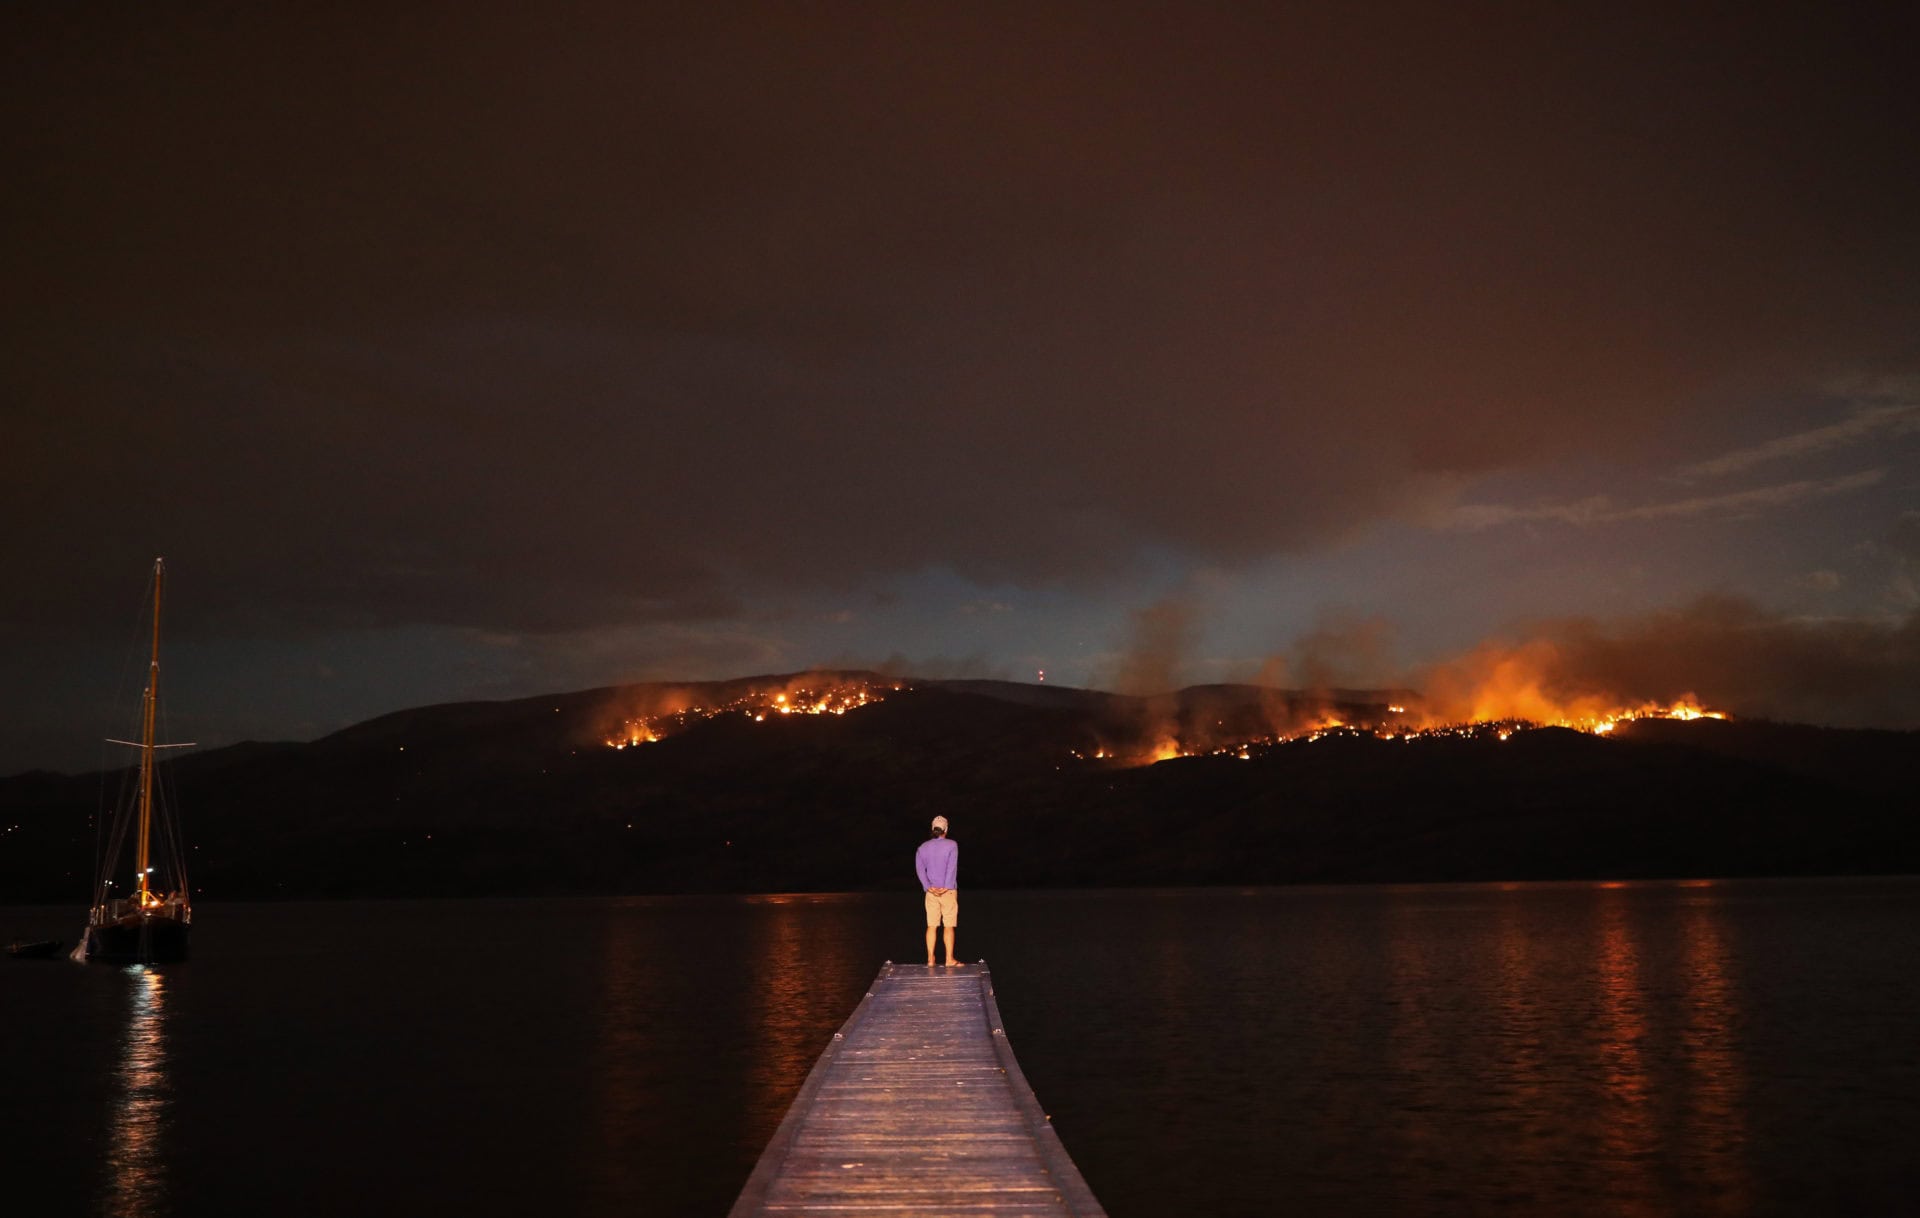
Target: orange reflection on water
[(796, 993), (1628, 1137), (1521, 1021), (136, 1179), (1716, 1073)]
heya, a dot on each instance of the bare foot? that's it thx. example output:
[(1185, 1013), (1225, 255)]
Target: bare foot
[(929, 964), (955, 963)]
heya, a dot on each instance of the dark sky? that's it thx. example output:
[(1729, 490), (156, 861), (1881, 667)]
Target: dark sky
[(450, 354)]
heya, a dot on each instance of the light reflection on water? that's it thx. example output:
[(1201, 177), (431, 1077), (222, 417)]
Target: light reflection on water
[(137, 1175), (798, 969), (1627, 1134), (1580, 1049), (1717, 1073), (1566, 1050), (782, 958), (706, 1014), (1520, 1025)]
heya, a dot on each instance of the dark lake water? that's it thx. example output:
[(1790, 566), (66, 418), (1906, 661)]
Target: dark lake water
[(1675, 1048)]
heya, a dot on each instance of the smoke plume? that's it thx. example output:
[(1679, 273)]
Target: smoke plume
[(1728, 653)]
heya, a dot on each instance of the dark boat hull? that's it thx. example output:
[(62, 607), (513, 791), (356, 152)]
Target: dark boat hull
[(138, 940)]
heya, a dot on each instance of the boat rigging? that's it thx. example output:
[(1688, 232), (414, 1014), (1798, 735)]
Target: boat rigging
[(150, 924)]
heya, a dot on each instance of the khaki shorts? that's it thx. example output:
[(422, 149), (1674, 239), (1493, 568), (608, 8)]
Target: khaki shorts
[(947, 906)]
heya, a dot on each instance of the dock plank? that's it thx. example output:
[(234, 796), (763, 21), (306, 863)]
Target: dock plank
[(918, 1107)]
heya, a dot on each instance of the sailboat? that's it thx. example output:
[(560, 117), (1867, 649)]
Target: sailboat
[(147, 921)]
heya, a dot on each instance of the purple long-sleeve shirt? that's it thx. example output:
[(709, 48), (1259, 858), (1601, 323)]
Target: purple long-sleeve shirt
[(937, 863)]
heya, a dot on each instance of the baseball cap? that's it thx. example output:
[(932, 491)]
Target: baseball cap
[(939, 822)]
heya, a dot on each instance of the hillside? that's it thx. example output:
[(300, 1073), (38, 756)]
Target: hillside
[(527, 797)]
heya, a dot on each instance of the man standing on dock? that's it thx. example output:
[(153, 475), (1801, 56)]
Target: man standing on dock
[(937, 863)]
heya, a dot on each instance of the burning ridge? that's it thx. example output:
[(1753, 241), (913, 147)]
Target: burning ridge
[(1305, 718), (661, 713)]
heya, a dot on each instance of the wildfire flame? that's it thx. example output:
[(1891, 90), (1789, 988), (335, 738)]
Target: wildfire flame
[(795, 699), (1492, 693), (1490, 696), (1398, 723)]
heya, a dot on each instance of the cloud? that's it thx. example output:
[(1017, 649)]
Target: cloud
[(1902, 419), (1599, 510), (1905, 535), (1903, 580), (732, 303)]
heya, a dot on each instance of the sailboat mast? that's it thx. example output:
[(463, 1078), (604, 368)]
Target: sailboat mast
[(146, 739)]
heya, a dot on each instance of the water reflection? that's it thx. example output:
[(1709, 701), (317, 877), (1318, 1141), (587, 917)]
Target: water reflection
[(795, 974), (1713, 1059), (1628, 1137), (707, 1014), (1520, 1020), (1552, 1050), (1310, 1027), (136, 1174)]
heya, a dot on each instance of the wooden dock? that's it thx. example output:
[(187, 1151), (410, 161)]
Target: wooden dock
[(917, 1107)]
